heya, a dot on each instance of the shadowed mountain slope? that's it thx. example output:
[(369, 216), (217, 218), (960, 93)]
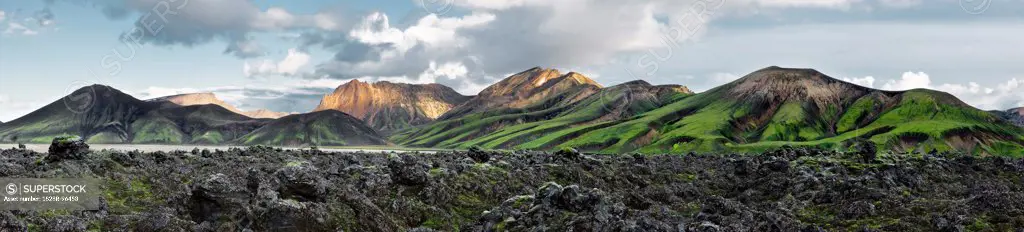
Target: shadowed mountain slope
[(323, 128), (89, 111)]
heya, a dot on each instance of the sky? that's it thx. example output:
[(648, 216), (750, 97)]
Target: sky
[(284, 55)]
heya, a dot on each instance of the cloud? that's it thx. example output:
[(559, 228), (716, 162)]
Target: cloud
[(195, 22), (863, 81), (567, 34), (19, 29), (1002, 96), (293, 62), (290, 65), (910, 80), (296, 95), (44, 17), (245, 49), (3, 15)]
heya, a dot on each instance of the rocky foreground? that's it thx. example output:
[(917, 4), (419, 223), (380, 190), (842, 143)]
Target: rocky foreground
[(266, 189)]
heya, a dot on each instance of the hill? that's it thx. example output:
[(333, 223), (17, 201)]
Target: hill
[(575, 103), (388, 106), (323, 128), (95, 110), (769, 108), (195, 124), (526, 89)]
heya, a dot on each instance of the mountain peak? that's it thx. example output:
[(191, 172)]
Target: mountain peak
[(208, 98), (779, 84), (387, 106), (528, 87)]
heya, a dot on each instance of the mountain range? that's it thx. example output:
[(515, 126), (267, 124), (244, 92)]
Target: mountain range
[(545, 109), (102, 114)]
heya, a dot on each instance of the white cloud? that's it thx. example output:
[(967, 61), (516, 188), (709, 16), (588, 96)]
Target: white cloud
[(293, 62), (863, 81), (290, 65), (910, 80), (1005, 95), (3, 15), (18, 28)]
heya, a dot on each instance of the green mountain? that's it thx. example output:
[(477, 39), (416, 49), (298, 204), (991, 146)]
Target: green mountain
[(95, 110), (102, 114), (769, 108), (196, 124), (325, 128), (538, 125)]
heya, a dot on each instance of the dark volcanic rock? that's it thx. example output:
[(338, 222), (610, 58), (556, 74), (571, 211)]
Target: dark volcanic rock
[(67, 147), (790, 189), (478, 155), (300, 180), (407, 170)]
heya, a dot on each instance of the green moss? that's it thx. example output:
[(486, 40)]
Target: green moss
[(294, 163), (980, 224), (434, 223), (816, 215), (133, 196), (688, 177), (434, 172), (53, 213)]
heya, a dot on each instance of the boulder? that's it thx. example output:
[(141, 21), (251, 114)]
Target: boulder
[(301, 181), (478, 155), (408, 170), (67, 147), (215, 197)]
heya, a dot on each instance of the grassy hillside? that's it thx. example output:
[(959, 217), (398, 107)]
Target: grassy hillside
[(538, 126), (199, 124), (767, 109), (323, 128)]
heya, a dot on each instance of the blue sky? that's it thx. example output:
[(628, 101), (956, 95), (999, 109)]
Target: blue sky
[(284, 55)]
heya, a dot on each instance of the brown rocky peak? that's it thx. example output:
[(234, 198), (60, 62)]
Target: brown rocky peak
[(783, 84), (387, 106), (191, 99), (535, 80)]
